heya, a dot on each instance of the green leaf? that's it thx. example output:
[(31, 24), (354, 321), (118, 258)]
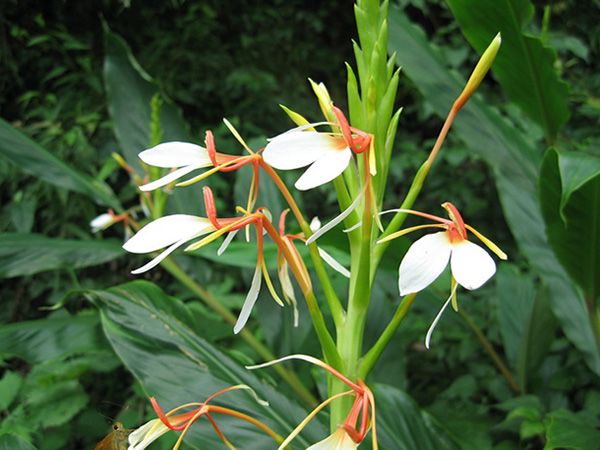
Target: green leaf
[(401, 425), (27, 254), (13, 442), (524, 66), (129, 93), (566, 430), (55, 403), (514, 162), (156, 337), (9, 388), (17, 148), (526, 322), (570, 197), (130, 90), (56, 336)]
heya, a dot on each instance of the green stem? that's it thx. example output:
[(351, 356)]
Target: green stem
[(368, 361), (489, 348), (289, 377)]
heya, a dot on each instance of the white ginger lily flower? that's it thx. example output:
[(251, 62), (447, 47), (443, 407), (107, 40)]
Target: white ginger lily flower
[(168, 231), (427, 257), (338, 440), (327, 153)]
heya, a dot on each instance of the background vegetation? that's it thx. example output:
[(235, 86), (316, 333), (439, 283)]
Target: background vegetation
[(63, 384)]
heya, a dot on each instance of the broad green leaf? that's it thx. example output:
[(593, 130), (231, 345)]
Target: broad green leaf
[(514, 162), (129, 93), (27, 155), (402, 425), (524, 66), (570, 197), (526, 322), (55, 403), (10, 383), (157, 339), (56, 336), (130, 90), (27, 254), (14, 442), (567, 430), (537, 339)]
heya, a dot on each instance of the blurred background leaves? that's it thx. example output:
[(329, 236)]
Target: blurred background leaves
[(77, 86)]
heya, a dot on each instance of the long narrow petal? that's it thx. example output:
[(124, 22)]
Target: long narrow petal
[(333, 263), (170, 177), (330, 165), (226, 242), (335, 221), (438, 317), (250, 301), (166, 231), (296, 149), (157, 260), (471, 265), (175, 154), (425, 260)]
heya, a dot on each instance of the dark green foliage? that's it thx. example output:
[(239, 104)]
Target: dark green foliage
[(74, 88)]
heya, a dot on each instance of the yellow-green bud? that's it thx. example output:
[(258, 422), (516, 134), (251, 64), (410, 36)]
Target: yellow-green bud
[(482, 67)]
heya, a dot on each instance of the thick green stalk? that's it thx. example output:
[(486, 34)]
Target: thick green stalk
[(208, 298), (369, 360)]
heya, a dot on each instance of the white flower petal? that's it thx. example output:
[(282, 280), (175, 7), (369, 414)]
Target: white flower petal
[(175, 154), (296, 149), (166, 231), (471, 265), (329, 166), (156, 261), (336, 220), (226, 242), (315, 224), (170, 177), (339, 440), (249, 302), (142, 437), (333, 263), (101, 222), (438, 317), (425, 260)]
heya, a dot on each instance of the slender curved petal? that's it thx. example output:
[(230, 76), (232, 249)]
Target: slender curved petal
[(471, 265), (170, 177), (166, 231), (425, 260), (250, 301), (175, 154)]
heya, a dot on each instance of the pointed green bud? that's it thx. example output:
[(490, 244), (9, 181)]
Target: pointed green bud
[(481, 69), (325, 101)]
